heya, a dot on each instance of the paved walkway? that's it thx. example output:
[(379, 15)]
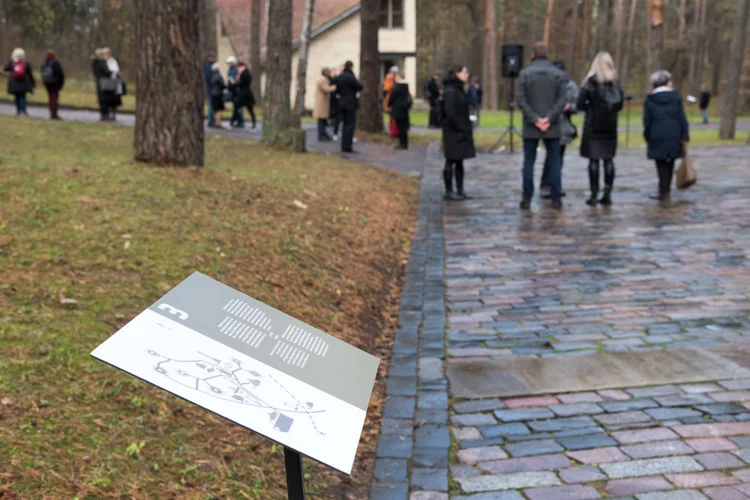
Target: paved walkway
[(522, 288)]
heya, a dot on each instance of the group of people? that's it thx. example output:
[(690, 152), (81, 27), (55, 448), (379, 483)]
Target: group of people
[(21, 80), (237, 90), (548, 98), (336, 104), (110, 87)]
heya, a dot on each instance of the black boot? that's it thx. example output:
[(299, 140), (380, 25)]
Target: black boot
[(609, 180), (593, 181)]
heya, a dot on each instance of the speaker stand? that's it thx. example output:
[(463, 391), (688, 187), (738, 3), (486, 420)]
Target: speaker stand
[(512, 128)]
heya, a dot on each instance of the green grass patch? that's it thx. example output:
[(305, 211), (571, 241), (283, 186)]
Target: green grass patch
[(88, 239)]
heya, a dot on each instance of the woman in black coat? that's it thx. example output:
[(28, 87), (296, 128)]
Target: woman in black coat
[(216, 92), (665, 128), (245, 96), (53, 79), (102, 74), (400, 103), (458, 138), (20, 79), (601, 97)]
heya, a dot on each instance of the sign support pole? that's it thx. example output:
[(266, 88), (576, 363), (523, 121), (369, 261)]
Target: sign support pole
[(295, 482)]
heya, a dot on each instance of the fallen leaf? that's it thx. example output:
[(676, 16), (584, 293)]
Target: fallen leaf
[(126, 236), (299, 204), (67, 301), (85, 199), (6, 401), (311, 193), (126, 245)]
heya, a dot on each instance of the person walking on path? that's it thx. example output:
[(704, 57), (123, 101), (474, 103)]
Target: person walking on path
[(114, 70), (322, 111), (432, 94), (458, 136), (245, 97), (53, 79), (233, 78), (541, 97), (601, 97), (704, 102), (207, 75), (348, 87), (568, 131), (665, 128), (216, 91), (400, 104), (105, 85), (475, 100), (20, 79)]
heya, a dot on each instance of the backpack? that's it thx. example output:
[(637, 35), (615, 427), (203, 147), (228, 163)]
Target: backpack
[(611, 96), (19, 70), (608, 103), (48, 74)]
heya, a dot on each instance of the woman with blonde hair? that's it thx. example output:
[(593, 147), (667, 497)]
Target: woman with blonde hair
[(20, 79), (601, 98), (105, 85)]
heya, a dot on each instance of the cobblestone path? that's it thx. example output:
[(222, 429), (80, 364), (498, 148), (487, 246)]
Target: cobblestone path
[(636, 276)]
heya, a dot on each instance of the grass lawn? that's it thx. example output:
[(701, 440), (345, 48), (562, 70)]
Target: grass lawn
[(80, 220)]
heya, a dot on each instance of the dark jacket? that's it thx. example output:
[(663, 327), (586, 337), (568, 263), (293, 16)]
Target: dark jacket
[(245, 96), (207, 73), (705, 99), (100, 70), (400, 102), (458, 139), (217, 85), (347, 87), (601, 116), (541, 94), (665, 126), (432, 92), (475, 96), (58, 76), (334, 111), (20, 86), (232, 75)]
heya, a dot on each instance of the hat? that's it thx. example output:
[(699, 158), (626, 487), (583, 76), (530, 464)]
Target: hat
[(211, 54), (231, 60)]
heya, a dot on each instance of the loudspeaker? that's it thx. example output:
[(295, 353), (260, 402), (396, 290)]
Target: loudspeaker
[(512, 60)]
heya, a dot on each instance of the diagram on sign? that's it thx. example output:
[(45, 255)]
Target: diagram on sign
[(234, 382)]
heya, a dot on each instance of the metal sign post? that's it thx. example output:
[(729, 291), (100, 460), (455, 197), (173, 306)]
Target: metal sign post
[(512, 128), (628, 98), (295, 479)]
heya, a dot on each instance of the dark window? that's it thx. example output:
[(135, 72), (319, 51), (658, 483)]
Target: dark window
[(385, 14), (397, 13)]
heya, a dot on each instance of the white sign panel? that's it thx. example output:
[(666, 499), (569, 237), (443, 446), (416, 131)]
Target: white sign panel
[(256, 366)]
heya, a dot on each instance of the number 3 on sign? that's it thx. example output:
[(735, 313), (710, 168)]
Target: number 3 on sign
[(171, 310)]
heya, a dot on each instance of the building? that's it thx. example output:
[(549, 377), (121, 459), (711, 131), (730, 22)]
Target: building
[(334, 38)]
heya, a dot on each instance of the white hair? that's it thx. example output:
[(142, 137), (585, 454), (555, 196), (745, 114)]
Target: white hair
[(660, 78), (231, 60), (216, 67), (604, 68), (18, 53), (394, 69)]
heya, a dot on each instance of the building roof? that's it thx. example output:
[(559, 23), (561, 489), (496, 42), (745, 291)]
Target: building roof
[(236, 18)]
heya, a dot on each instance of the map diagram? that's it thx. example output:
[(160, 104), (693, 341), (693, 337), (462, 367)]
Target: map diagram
[(232, 382)]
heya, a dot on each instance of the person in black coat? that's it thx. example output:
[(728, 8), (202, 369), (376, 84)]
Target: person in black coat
[(216, 91), (334, 112), (245, 96), (53, 78), (400, 103), (601, 98), (20, 79), (665, 128), (432, 93), (348, 87), (458, 138), (704, 102), (102, 73)]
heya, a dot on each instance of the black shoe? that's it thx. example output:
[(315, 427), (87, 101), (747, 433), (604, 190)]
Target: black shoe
[(563, 194), (399, 146), (463, 195), (546, 196), (592, 199), (525, 205), (451, 196), (606, 199), (660, 197), (350, 151), (557, 205), (324, 139)]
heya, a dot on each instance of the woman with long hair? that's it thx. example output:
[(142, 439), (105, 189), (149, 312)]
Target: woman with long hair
[(601, 98), (105, 90), (458, 138), (114, 70)]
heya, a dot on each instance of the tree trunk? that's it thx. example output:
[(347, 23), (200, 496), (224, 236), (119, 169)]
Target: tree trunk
[(267, 7), (656, 38), (678, 75), (304, 51), (279, 126), (4, 26), (255, 64), (587, 27), (734, 72), (509, 21), (491, 62), (370, 110), (629, 44), (620, 31), (702, 43), (548, 20), (477, 41), (573, 38), (694, 40), (602, 43), (717, 58), (169, 83)]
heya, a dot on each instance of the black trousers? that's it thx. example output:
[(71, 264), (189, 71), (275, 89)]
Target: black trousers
[(336, 118), (665, 168), (453, 168), (434, 115), (347, 134), (403, 132)]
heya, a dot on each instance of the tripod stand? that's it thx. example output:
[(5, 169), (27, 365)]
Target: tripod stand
[(512, 128)]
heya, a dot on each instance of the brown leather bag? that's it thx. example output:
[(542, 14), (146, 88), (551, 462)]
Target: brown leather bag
[(685, 176)]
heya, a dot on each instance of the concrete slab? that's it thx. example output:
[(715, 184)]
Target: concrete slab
[(484, 377)]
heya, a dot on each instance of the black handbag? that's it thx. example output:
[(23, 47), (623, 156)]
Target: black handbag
[(107, 84)]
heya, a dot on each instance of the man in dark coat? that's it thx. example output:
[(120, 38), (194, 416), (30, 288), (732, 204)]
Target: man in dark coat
[(20, 79), (541, 97), (704, 102), (476, 95), (458, 137), (400, 103), (53, 78), (432, 94), (245, 97), (207, 75), (348, 87)]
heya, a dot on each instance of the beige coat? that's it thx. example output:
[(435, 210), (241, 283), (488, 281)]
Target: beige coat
[(323, 90)]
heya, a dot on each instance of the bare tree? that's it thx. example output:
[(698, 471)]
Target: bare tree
[(702, 47), (620, 31), (548, 20), (491, 60), (734, 72), (587, 28), (573, 38), (255, 48), (656, 37), (370, 111), (629, 44), (678, 75), (169, 117), (694, 41), (279, 126), (304, 51), (509, 30), (602, 15)]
